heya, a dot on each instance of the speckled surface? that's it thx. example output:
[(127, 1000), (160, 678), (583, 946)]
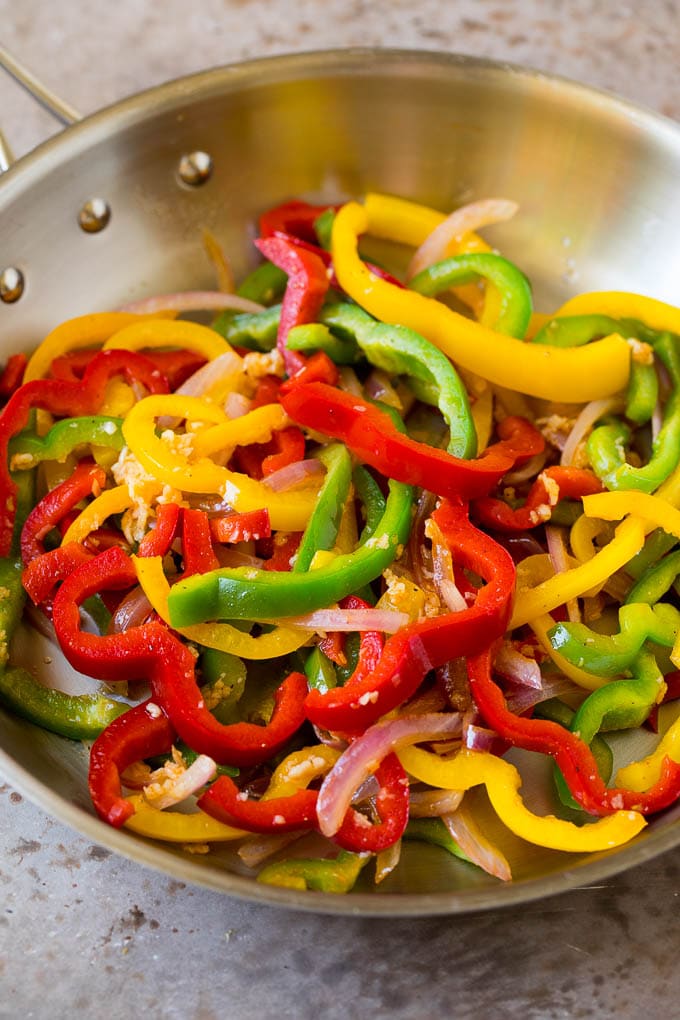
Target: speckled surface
[(81, 929)]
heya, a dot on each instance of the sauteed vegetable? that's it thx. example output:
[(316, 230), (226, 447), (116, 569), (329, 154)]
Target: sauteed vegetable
[(337, 555)]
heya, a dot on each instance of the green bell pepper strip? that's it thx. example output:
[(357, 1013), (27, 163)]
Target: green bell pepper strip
[(606, 443), (613, 654), (372, 500), (400, 351), (515, 291), (322, 527), (642, 393), (248, 593), (254, 330), (323, 226), (621, 704), (656, 581), (12, 594), (329, 876), (320, 672), (225, 677), (657, 544), (576, 330), (433, 830), (316, 336), (265, 284), (76, 716), (64, 437)]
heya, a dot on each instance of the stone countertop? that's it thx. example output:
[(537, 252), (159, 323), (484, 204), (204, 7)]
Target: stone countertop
[(82, 929)]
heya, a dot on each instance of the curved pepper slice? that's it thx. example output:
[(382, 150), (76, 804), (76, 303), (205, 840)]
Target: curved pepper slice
[(220, 636), (571, 754), (336, 875), (55, 505), (415, 650), (64, 398), (94, 430), (553, 484), (151, 652), (391, 806), (82, 331), (251, 594), (150, 333), (572, 374), (142, 732), (44, 572), (288, 511), (502, 781), (177, 826), (110, 501), (370, 434)]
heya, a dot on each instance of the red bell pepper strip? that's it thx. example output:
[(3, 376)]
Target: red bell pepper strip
[(176, 366), (43, 573), (287, 445), (371, 435), (63, 398), (392, 808), (305, 291), (157, 542), (47, 514), (553, 484), (318, 368), (327, 260), (267, 391), (241, 527), (143, 732), (571, 754), (150, 651), (285, 548), (295, 217), (428, 644), (197, 551), (333, 647), (12, 374), (224, 802)]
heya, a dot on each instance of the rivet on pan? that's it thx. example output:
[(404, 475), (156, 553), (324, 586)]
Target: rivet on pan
[(11, 285), (195, 168), (94, 215)]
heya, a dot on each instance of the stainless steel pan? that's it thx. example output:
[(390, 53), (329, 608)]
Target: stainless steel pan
[(597, 182)]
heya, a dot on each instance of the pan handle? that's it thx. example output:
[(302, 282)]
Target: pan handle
[(63, 111)]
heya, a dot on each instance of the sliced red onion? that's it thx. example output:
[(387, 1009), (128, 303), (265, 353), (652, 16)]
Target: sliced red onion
[(330, 739), (229, 556), (236, 405), (479, 738), (420, 555), (363, 756), (379, 387), (191, 301), (171, 792), (433, 803), (521, 669), (205, 377), (591, 413), (557, 548), (521, 699), (256, 850), (387, 621), (460, 222), (349, 381), (475, 845), (131, 612), (293, 474), (532, 467)]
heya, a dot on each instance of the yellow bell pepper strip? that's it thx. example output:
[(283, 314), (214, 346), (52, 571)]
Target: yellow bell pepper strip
[(612, 506), (502, 781), (287, 511), (220, 636), (83, 331), (567, 374), (621, 305), (534, 602), (643, 774), (256, 426), (152, 333), (111, 501), (337, 875), (177, 826)]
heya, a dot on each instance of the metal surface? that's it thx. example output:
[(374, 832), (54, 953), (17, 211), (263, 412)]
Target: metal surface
[(596, 180), (64, 112)]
